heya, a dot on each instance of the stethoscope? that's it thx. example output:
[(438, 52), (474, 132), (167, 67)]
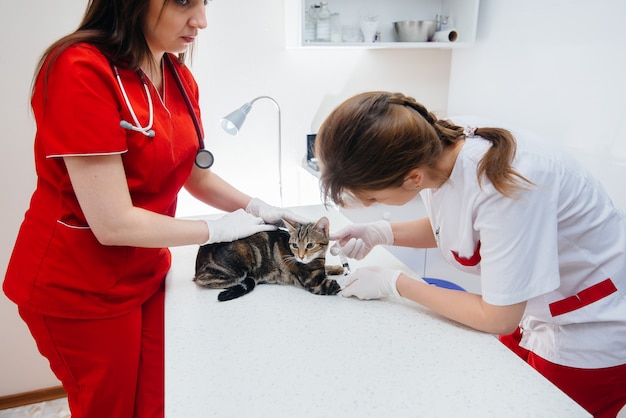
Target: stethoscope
[(204, 158)]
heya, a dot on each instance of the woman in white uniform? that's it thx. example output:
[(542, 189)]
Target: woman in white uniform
[(545, 238)]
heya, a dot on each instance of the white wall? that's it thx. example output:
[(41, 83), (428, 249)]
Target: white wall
[(240, 56), (26, 29), (554, 67)]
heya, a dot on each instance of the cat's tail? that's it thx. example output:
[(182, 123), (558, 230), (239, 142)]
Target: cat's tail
[(237, 290)]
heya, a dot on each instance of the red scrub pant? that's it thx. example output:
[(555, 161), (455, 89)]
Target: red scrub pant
[(602, 392), (111, 367)]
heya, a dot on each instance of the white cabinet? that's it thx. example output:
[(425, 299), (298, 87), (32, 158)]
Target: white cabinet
[(308, 187), (463, 13)]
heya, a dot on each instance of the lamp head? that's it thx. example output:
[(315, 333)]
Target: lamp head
[(232, 122)]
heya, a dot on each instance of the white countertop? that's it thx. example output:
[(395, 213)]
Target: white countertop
[(283, 352)]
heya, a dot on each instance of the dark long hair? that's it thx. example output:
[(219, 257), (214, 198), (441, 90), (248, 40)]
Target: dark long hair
[(373, 140), (115, 27)]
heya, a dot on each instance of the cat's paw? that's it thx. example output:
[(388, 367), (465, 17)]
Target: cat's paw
[(326, 287), (334, 287)]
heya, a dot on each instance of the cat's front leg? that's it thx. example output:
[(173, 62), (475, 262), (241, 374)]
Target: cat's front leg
[(334, 270), (326, 287)]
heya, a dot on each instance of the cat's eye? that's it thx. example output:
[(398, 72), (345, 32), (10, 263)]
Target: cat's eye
[(294, 245), (309, 245)]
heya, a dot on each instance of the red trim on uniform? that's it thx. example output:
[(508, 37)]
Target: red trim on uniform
[(468, 262), (602, 392), (583, 298)]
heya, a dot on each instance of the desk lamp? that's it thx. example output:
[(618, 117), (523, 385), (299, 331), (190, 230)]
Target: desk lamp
[(232, 123)]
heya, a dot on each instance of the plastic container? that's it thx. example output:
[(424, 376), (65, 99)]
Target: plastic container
[(323, 23), (335, 28)]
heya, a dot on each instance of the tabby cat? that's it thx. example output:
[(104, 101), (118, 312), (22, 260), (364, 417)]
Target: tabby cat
[(294, 256)]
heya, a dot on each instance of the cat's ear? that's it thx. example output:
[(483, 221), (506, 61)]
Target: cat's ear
[(290, 225), (323, 224)]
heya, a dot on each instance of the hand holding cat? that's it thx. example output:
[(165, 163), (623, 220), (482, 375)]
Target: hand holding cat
[(272, 214), (235, 225), (357, 240), (371, 283)]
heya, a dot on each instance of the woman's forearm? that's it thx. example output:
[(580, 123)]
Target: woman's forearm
[(416, 234), (141, 228), (466, 308)]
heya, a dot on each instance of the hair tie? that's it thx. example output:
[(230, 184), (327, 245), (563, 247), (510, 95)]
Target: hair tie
[(469, 131)]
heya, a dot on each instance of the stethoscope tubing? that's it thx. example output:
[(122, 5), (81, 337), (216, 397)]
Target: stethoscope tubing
[(204, 158), (183, 92), (137, 127)]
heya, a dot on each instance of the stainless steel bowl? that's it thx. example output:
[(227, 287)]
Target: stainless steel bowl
[(414, 30)]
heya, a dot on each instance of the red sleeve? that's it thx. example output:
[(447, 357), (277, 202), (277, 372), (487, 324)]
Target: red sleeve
[(77, 107)]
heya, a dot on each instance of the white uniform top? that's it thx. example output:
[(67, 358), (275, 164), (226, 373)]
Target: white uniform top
[(560, 245)]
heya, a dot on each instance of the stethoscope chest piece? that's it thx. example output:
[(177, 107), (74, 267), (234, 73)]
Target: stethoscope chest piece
[(204, 158)]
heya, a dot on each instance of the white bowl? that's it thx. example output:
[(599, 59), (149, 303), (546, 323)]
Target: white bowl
[(414, 30)]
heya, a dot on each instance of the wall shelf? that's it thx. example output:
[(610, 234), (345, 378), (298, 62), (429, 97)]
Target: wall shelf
[(385, 45), (464, 13)]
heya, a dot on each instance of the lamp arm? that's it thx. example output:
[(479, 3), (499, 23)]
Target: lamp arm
[(266, 97), (280, 146)]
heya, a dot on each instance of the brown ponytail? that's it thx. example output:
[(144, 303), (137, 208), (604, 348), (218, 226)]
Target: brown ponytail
[(496, 164)]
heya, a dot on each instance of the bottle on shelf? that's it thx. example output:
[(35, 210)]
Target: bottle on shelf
[(335, 28), (310, 23), (323, 23)]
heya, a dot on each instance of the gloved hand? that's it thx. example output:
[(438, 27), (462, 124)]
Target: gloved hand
[(371, 283), (235, 225), (357, 240), (272, 214)]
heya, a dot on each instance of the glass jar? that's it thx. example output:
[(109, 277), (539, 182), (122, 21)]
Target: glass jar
[(335, 28)]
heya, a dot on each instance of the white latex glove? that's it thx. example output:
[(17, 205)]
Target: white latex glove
[(371, 283), (357, 240), (235, 225), (272, 214)]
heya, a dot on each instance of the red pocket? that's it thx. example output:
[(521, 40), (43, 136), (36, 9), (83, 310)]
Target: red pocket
[(583, 298)]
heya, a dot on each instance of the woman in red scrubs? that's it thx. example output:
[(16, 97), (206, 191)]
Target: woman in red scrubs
[(88, 267)]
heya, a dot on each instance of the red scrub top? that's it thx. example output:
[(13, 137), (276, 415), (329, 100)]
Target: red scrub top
[(57, 266)]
